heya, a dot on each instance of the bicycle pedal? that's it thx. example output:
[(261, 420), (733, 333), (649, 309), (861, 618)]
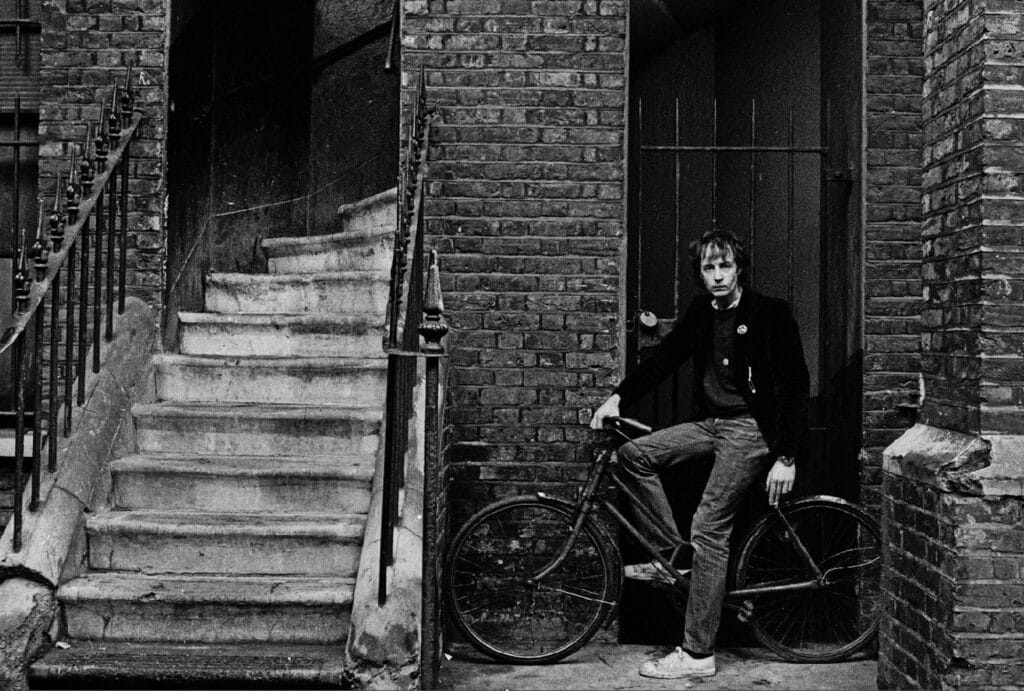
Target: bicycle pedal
[(746, 611)]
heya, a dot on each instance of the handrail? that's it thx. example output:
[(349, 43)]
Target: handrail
[(97, 191), (41, 287), (393, 39)]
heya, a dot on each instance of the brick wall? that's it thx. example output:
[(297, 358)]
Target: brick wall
[(527, 206), (955, 486), (892, 233), (86, 44), (953, 583)]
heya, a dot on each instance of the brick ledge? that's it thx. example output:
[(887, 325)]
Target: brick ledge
[(988, 466)]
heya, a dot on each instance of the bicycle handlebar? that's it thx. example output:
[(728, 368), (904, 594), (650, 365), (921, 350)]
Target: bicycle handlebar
[(626, 425)]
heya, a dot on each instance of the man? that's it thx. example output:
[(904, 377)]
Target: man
[(750, 397)]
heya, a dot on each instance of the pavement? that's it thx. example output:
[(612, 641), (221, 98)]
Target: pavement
[(614, 666)]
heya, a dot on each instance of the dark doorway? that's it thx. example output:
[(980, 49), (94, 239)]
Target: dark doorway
[(747, 117)]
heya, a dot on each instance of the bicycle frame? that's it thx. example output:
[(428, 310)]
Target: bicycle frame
[(587, 501)]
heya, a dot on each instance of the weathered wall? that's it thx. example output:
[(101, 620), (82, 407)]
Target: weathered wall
[(527, 206)]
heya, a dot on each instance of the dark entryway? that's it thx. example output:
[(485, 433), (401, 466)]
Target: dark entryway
[(748, 117)]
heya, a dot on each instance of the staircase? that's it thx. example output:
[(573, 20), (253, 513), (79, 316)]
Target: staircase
[(230, 552)]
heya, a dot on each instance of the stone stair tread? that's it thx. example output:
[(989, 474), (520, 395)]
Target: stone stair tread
[(366, 321), (207, 588), (113, 664), (312, 244), (320, 363), (384, 196), (350, 467), (233, 278), (333, 526), (281, 411)]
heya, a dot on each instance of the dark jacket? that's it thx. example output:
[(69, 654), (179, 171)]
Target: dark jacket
[(768, 366)]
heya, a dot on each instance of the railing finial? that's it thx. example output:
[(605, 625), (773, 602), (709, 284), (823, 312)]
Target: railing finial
[(41, 248), (433, 328), (22, 281), (56, 227)]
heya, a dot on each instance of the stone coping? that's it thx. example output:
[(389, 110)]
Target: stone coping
[(990, 465)]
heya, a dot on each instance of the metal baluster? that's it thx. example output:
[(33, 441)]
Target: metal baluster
[(22, 284), (40, 258), (57, 239), (101, 223), (71, 215), (86, 179), (16, 198), (126, 111), (19, 440), (114, 136)]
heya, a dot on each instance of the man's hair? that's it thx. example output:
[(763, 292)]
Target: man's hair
[(720, 242)]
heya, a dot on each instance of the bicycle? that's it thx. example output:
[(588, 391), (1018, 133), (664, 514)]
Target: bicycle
[(531, 579)]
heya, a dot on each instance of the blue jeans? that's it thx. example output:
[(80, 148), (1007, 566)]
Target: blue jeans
[(740, 454)]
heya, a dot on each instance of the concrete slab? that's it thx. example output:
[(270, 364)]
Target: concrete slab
[(613, 666)]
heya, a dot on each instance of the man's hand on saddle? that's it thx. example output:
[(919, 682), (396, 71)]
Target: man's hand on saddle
[(780, 481), (609, 408)]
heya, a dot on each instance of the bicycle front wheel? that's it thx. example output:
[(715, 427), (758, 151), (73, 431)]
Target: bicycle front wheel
[(493, 602), (830, 622)]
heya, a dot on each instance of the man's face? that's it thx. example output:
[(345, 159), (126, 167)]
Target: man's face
[(720, 274)]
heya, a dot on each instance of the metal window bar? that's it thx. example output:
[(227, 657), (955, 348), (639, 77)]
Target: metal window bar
[(53, 252), (752, 149)]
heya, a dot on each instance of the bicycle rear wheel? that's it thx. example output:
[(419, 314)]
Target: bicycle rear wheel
[(499, 611), (823, 624)]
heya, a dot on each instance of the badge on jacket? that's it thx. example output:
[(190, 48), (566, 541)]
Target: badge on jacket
[(741, 329)]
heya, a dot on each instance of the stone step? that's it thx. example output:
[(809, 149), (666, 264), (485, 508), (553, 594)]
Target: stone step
[(118, 606), (326, 381), (177, 542), (123, 665), (280, 335), (242, 483), (376, 211), (345, 292), (260, 430), (369, 249)]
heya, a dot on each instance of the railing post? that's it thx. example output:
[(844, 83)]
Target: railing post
[(433, 329)]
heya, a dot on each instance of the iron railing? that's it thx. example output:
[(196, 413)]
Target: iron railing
[(401, 338), (89, 218), (416, 310)]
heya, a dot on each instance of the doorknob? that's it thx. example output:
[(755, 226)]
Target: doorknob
[(648, 319)]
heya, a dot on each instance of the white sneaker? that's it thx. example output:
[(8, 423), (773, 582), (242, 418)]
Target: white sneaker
[(678, 664), (651, 571)]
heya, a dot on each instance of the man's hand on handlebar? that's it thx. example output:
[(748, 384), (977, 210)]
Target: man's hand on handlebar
[(609, 408)]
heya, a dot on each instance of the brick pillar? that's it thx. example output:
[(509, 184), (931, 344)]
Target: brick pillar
[(86, 45), (953, 487), (526, 204)]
